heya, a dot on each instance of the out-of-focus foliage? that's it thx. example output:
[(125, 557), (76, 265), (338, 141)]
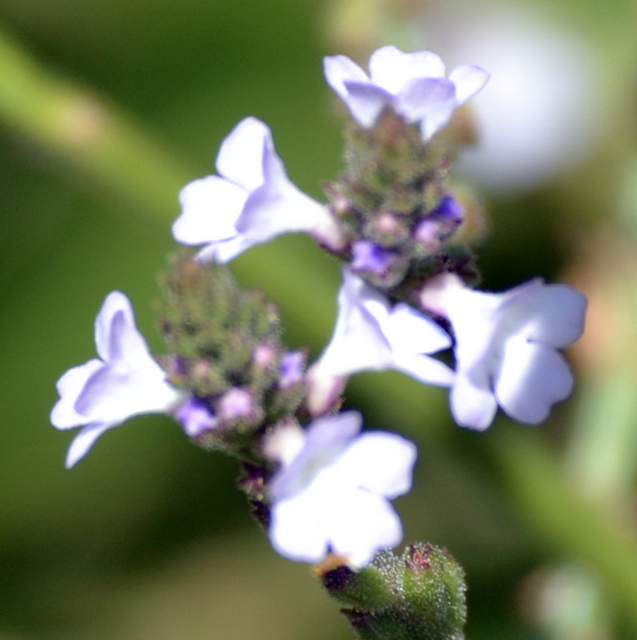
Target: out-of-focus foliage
[(147, 537)]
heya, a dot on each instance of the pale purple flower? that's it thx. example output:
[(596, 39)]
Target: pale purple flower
[(250, 202), (125, 381), (507, 347), (333, 489), (414, 85), (370, 334)]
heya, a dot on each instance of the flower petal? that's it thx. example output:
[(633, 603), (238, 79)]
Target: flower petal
[(240, 157), (392, 69), (556, 315), (532, 378), (379, 462), (338, 70), (115, 304), (366, 101), (473, 405), (358, 342), (225, 250), (468, 79), (69, 387), (425, 369), (84, 440), (428, 101), (128, 348), (362, 523), (275, 209), (412, 332), (210, 207), (113, 394), (325, 439), (297, 528)]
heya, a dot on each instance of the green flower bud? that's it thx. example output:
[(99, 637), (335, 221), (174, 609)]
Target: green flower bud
[(419, 596)]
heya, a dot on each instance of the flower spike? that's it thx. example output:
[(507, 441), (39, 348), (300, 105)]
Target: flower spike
[(250, 202), (124, 382)]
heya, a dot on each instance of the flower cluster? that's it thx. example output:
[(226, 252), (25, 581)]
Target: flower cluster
[(391, 218)]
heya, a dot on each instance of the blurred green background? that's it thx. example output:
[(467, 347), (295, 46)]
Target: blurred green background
[(107, 108)]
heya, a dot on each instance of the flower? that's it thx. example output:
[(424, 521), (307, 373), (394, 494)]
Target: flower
[(371, 334), (412, 84), (125, 381), (333, 489), (506, 347), (250, 202)]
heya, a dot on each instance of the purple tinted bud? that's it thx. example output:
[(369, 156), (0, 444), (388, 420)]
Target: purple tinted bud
[(292, 365), (387, 230), (428, 233), (370, 257), (263, 356), (235, 405), (440, 223), (196, 418), (449, 210)]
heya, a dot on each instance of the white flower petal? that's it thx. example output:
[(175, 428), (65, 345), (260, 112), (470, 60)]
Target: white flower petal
[(69, 386), (428, 101), (271, 211), (379, 462), (362, 524), (472, 405), (468, 79), (532, 378), (366, 101), (83, 441), (210, 207), (338, 70), (424, 369), (129, 349), (326, 433), (556, 315), (358, 342), (323, 389), (297, 529), (391, 68), (412, 332), (240, 157), (325, 439), (115, 303), (115, 394), (225, 250)]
